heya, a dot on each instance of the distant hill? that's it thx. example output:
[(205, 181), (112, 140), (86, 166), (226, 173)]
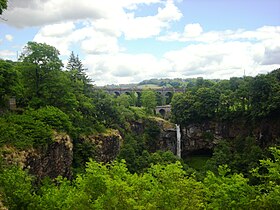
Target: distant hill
[(177, 82)]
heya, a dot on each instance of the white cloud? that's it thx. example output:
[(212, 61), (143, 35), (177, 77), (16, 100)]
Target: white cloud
[(169, 13), (124, 68), (97, 33), (40, 12), (57, 30), (194, 33), (149, 26), (43, 12), (100, 28), (100, 43), (7, 54), (9, 37), (224, 59), (220, 54), (192, 30)]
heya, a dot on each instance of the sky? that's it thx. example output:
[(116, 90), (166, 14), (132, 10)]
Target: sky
[(127, 41)]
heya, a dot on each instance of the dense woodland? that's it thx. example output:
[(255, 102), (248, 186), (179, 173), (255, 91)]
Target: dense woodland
[(241, 173)]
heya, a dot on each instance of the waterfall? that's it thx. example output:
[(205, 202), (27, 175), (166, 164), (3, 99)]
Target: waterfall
[(178, 140)]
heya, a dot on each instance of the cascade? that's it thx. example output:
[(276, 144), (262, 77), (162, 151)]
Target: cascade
[(178, 132)]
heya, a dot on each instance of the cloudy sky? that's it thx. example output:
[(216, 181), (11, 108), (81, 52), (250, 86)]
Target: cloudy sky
[(127, 41)]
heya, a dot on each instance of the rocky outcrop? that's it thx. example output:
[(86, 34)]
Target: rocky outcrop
[(164, 136), (167, 136), (107, 145), (202, 138), (53, 161)]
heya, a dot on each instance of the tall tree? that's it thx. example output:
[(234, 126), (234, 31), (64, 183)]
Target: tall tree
[(3, 5), (46, 57), (46, 60), (76, 69), (149, 100), (41, 66)]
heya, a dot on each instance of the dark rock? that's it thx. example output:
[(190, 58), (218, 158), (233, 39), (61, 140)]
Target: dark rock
[(55, 160), (107, 145)]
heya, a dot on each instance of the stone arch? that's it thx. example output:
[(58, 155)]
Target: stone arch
[(162, 112), (117, 93)]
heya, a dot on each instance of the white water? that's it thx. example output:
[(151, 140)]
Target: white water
[(178, 140)]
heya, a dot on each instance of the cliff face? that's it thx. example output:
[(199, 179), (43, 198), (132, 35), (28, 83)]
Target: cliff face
[(56, 158), (53, 161), (202, 138), (167, 137), (107, 145), (163, 137)]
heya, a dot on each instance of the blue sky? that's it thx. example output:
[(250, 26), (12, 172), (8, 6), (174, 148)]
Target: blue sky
[(127, 41)]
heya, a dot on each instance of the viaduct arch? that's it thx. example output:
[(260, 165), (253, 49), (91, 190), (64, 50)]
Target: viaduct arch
[(166, 92)]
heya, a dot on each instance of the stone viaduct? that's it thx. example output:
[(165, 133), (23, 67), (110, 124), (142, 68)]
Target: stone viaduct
[(162, 91)]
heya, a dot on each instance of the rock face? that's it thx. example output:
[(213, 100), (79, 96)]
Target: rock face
[(107, 145), (199, 138), (164, 137), (202, 138), (167, 137), (53, 161)]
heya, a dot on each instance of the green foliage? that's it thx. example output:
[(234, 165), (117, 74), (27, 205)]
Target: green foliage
[(46, 84), (268, 173), (183, 110), (105, 106), (161, 186), (149, 100), (124, 100), (16, 188), (23, 131), (61, 195), (139, 152), (10, 83), (228, 191), (77, 73), (228, 99), (151, 134), (82, 152), (42, 55), (240, 154), (53, 117), (139, 112), (3, 5)]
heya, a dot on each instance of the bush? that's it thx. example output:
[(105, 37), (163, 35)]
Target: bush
[(53, 117), (23, 131)]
